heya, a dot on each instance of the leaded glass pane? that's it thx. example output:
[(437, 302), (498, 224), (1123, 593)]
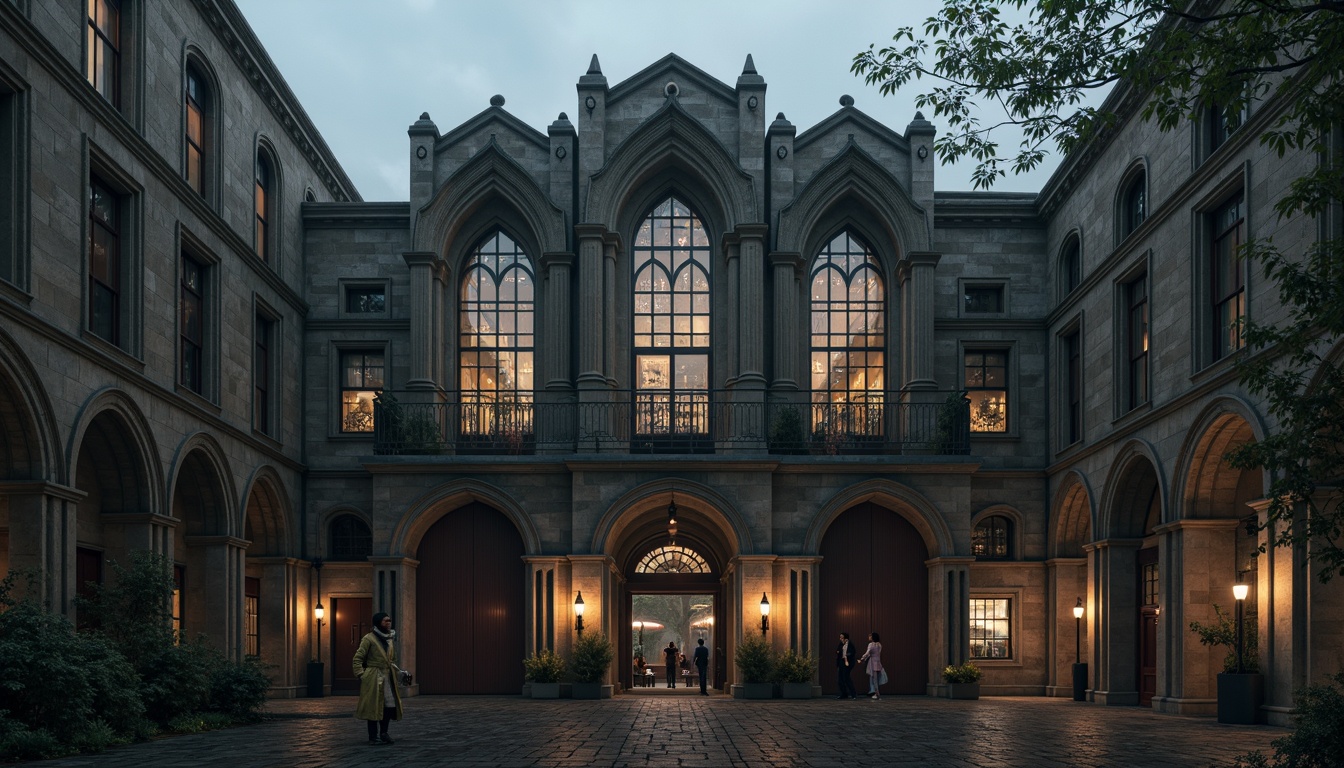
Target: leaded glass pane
[(496, 359), (847, 341)]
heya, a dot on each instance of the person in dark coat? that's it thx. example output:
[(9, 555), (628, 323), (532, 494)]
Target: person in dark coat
[(702, 664), (845, 655), (670, 654), (375, 664)]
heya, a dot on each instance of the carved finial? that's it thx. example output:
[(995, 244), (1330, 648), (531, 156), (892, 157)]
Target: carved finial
[(780, 116), (497, 100), (846, 100), (919, 115), (593, 67), (424, 115), (563, 116), (750, 67)]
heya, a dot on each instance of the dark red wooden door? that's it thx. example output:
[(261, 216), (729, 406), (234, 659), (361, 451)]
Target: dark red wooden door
[(1148, 588), (469, 604), (873, 578), (350, 617)]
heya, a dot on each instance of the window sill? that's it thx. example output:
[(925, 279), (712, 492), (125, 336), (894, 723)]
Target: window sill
[(196, 398), (1219, 366), (997, 663), (112, 350), (351, 436), (1132, 414), (15, 294)]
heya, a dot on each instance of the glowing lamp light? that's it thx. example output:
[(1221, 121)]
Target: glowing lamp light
[(319, 612), (1239, 591), (765, 614), (578, 613), (1078, 609)]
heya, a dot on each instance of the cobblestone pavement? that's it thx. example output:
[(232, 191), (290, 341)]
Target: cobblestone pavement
[(709, 732)]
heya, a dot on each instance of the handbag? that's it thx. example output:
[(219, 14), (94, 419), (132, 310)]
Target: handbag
[(882, 677), (404, 677)]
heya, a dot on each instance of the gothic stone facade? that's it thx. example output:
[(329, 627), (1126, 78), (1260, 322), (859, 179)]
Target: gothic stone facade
[(475, 405)]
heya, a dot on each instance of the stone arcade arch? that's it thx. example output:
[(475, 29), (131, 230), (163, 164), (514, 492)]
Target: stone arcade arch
[(1207, 545), (267, 584), (1125, 657), (203, 508), (1067, 580)]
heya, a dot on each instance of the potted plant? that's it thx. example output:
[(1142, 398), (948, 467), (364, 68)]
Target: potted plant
[(963, 681), (589, 663), (755, 662), (1241, 688), (543, 670), (786, 430), (793, 672)]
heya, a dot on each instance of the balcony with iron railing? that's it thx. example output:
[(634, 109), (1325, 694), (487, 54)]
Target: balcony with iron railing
[(642, 422)]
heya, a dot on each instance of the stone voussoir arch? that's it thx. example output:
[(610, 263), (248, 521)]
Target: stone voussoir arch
[(204, 444), (1203, 447), (425, 511), (1074, 491), (138, 433), (39, 433), (671, 136), (491, 175), (1130, 454), (721, 513), (265, 479), (853, 174), (905, 501)]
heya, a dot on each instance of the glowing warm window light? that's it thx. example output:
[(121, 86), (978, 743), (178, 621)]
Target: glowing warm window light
[(672, 558)]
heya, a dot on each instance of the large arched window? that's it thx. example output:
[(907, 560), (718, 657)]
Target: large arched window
[(496, 342), (1133, 203), (199, 107), (263, 204), (848, 361), (671, 328)]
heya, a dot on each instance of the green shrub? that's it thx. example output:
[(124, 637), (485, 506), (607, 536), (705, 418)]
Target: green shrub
[(1223, 632), (544, 667), (961, 673), (20, 743), (238, 691), (592, 658), (791, 667), (1318, 740), (755, 660)]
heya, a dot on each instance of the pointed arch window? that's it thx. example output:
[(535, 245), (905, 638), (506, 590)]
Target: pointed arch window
[(672, 323), (672, 558), (496, 358), (848, 341)]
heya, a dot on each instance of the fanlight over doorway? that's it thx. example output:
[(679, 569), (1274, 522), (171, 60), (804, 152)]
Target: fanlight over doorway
[(672, 559)]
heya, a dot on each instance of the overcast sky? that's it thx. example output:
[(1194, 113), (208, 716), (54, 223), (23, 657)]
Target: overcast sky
[(364, 71)]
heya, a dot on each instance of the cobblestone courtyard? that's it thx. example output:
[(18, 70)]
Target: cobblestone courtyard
[(717, 731)]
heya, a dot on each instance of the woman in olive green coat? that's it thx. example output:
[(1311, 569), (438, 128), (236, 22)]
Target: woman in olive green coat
[(376, 667)]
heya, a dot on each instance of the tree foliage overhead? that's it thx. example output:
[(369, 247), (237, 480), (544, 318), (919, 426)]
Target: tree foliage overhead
[(1043, 61)]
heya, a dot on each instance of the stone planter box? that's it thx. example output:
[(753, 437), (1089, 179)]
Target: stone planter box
[(963, 690), (758, 690), (1240, 697), (591, 691), (796, 690), (545, 690)]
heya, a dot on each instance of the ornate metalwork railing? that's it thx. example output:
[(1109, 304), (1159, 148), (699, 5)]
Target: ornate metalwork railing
[(634, 422)]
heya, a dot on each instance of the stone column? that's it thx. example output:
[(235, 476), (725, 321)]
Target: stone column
[(442, 340), (786, 268), (754, 576), (553, 332), (421, 265), (918, 294), (1114, 622), (223, 560), (283, 623), (143, 531), (618, 321), (593, 308), (751, 306), (796, 615), (732, 246), (589, 575), (42, 539), (1283, 602), (1066, 581)]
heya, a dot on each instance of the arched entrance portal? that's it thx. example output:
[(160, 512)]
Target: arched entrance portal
[(873, 579), (673, 594), (470, 604)]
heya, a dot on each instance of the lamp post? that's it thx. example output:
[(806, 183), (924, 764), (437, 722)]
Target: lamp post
[(316, 673), (578, 614), (765, 614), (1079, 668), (1239, 591)]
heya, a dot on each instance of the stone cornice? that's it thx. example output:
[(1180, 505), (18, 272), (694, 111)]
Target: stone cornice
[(981, 209), (394, 215), (39, 488), (236, 34)]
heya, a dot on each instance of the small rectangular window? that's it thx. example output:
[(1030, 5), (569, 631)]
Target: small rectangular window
[(105, 262), (1073, 388), (261, 374), (192, 324), (361, 382), (982, 299), (1136, 342), (251, 616), (991, 628), (986, 376), (103, 66), (1228, 271), (364, 299), (179, 592), (1151, 583)]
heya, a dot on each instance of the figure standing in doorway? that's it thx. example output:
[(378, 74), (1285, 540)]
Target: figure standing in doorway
[(670, 654), (874, 658), (375, 665), (844, 667), (702, 664)]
